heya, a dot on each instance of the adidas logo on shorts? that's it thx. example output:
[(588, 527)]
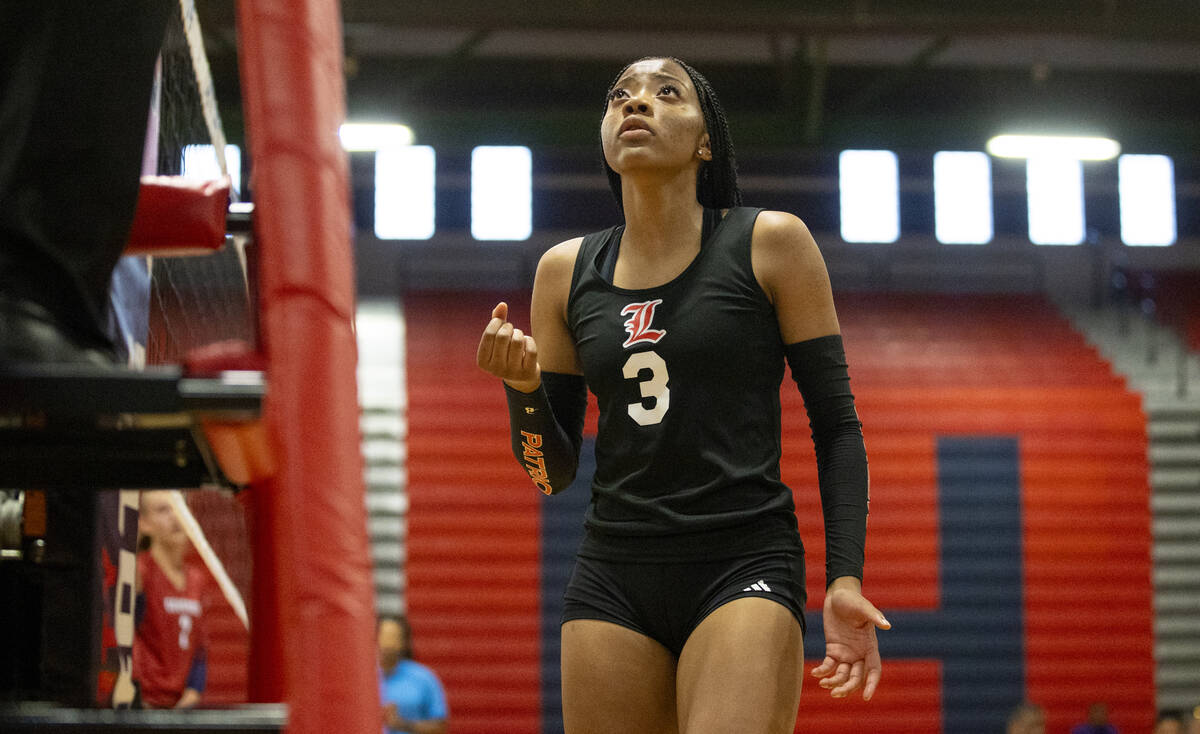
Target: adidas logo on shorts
[(759, 585)]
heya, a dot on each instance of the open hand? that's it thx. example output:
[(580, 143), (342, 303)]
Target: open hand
[(851, 649)]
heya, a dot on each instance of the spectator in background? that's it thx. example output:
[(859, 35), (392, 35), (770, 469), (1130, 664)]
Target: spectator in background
[(1168, 722), (1097, 721), (1027, 718), (169, 656), (1191, 722), (413, 699)]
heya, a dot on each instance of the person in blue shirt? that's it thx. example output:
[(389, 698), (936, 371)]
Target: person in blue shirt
[(1097, 721), (414, 701)]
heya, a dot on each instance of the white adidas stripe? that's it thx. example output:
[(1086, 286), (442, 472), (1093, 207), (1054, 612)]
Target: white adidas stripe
[(759, 585)]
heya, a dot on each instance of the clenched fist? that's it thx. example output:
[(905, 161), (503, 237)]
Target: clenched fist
[(508, 353)]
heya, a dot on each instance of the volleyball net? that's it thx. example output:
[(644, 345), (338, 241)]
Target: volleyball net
[(194, 301), (292, 548)]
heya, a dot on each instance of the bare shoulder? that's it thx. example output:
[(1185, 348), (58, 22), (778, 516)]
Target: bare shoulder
[(556, 266), (553, 280), (561, 256), (784, 251), (548, 317), (781, 230), (792, 273)]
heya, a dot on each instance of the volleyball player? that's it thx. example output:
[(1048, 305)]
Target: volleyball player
[(169, 652), (685, 609)]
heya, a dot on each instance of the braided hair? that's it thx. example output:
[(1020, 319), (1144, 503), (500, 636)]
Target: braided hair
[(716, 180)]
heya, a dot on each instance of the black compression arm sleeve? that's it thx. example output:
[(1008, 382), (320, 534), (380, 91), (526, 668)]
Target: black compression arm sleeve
[(547, 429), (819, 368)]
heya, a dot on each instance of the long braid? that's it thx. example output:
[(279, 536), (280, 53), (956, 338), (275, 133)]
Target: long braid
[(717, 184), (716, 181)]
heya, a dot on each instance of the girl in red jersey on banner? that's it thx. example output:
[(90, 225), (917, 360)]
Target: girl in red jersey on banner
[(169, 657)]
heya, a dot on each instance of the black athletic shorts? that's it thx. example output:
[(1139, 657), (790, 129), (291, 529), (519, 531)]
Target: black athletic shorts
[(666, 601)]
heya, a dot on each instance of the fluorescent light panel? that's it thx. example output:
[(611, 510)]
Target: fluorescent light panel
[(369, 136), (1055, 193), (1079, 147), (200, 161), (869, 192), (962, 198), (1146, 184), (501, 192), (404, 192)]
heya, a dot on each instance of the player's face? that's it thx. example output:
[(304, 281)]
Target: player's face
[(653, 119), (157, 518)]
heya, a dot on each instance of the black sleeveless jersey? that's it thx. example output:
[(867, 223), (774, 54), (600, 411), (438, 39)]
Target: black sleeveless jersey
[(687, 375)]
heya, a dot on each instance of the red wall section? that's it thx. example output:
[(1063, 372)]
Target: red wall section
[(473, 533)]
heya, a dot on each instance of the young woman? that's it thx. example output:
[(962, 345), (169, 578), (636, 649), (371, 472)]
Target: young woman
[(169, 652), (414, 699), (685, 612)]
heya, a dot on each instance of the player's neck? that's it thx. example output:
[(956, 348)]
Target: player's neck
[(661, 216), (169, 558)]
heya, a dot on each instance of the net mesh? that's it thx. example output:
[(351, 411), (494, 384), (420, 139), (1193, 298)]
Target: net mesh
[(196, 301)]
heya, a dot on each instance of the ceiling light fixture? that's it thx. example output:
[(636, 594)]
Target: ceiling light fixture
[(1077, 147), (368, 136)]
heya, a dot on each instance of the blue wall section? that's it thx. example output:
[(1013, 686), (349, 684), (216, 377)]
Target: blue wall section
[(562, 531), (978, 633)]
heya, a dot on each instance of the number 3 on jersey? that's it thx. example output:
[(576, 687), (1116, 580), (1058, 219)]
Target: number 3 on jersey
[(653, 387)]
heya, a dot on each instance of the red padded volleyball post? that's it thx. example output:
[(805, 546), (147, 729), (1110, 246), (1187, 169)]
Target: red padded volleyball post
[(313, 600)]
